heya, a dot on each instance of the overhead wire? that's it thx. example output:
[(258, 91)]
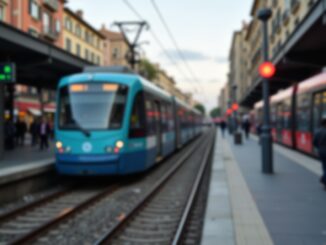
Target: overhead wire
[(158, 41), (175, 43)]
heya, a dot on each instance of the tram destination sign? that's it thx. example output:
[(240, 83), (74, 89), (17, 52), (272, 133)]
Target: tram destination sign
[(7, 73)]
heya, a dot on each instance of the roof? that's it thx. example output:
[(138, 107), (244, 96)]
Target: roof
[(111, 35), (76, 16)]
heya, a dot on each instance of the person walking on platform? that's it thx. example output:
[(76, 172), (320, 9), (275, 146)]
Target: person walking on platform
[(246, 127), (223, 127), (34, 132), (44, 132), (319, 143)]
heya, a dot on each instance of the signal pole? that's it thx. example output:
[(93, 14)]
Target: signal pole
[(132, 45), (266, 137)]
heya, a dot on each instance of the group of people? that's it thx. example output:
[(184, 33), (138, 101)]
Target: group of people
[(40, 131), (319, 140), (245, 124)]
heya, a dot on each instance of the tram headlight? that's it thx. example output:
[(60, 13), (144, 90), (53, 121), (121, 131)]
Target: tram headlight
[(59, 144), (119, 144)]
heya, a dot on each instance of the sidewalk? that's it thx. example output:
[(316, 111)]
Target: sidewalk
[(285, 208), (24, 161)]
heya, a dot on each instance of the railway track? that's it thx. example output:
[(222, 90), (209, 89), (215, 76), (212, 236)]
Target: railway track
[(161, 217), (46, 220), (25, 224)]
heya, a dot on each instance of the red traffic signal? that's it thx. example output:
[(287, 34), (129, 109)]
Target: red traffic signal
[(267, 70), (229, 112), (235, 107)]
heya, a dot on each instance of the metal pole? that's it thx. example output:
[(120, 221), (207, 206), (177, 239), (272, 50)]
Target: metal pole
[(266, 136), (2, 110)]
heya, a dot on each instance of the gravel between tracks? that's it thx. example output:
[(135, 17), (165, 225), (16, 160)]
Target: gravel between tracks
[(88, 226)]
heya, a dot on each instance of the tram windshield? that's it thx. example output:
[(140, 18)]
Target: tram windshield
[(97, 106)]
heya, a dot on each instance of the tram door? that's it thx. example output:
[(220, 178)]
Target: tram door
[(158, 126)]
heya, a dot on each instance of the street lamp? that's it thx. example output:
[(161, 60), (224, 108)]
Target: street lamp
[(266, 137)]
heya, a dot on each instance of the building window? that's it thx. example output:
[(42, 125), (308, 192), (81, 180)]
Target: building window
[(78, 31), (98, 60), (47, 22), (86, 54), (33, 32), (78, 50), (68, 24), (86, 36), (58, 26), (34, 9), (68, 44), (2, 13), (93, 57), (115, 53)]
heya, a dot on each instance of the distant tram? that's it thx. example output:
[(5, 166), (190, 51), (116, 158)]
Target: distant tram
[(112, 122), (296, 113)]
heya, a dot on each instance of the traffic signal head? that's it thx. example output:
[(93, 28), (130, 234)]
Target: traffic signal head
[(229, 111), (235, 107), (267, 70)]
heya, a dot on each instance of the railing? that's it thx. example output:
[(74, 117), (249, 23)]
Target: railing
[(50, 33), (286, 16), (295, 5), (53, 4)]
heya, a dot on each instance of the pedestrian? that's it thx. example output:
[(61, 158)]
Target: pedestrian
[(9, 133), (223, 127), (319, 143), (34, 132), (246, 127), (44, 131), (23, 131)]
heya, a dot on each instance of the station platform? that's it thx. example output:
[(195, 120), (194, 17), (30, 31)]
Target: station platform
[(25, 161), (246, 206)]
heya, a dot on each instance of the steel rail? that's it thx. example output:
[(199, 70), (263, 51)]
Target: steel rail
[(192, 196), (29, 206), (110, 234), (34, 234)]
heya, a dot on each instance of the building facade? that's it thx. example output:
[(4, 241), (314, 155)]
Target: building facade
[(81, 39), (39, 18), (246, 48), (115, 48)]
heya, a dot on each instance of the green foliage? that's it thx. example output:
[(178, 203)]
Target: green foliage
[(216, 112), (147, 69), (201, 108)]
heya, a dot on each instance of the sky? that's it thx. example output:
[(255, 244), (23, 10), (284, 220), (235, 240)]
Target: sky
[(202, 30)]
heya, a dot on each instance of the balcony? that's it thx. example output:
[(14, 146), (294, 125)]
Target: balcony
[(286, 17), (295, 5), (52, 4), (50, 33)]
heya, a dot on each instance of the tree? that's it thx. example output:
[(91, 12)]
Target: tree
[(201, 108), (216, 112), (147, 69)]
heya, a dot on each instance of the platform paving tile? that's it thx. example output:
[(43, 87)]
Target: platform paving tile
[(218, 226), (291, 202)]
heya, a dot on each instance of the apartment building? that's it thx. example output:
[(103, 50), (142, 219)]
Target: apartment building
[(40, 18), (115, 48), (82, 39), (246, 48)]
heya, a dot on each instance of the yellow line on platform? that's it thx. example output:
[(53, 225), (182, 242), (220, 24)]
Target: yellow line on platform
[(249, 226)]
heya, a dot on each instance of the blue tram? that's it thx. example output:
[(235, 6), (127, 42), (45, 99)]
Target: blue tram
[(112, 122)]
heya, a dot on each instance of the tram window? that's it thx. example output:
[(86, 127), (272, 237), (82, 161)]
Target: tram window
[(317, 111), (137, 118), (151, 117), (303, 113), (323, 111), (287, 115), (170, 116)]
